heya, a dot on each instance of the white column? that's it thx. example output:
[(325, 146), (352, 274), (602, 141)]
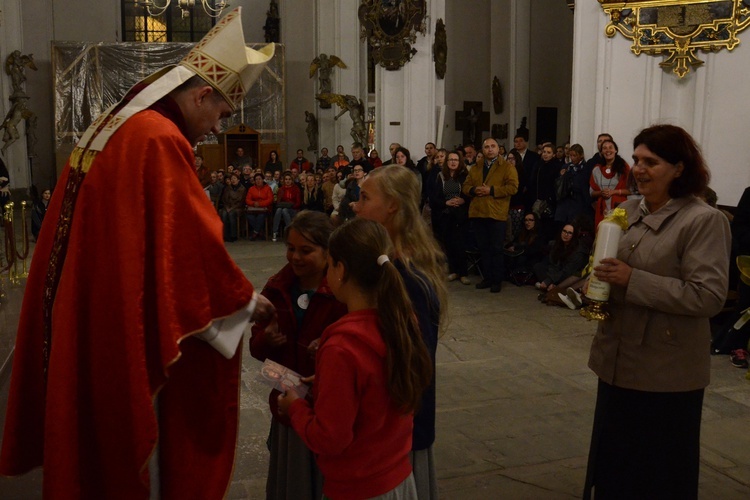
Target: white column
[(408, 99), (520, 25)]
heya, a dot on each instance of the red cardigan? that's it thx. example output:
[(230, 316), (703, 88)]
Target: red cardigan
[(361, 440)]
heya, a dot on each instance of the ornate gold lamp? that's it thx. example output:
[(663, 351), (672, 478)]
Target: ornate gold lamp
[(155, 8)]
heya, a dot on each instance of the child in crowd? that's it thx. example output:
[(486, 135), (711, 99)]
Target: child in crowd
[(392, 197), (305, 307), (370, 372)]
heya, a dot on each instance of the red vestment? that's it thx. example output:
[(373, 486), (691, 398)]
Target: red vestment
[(146, 268)]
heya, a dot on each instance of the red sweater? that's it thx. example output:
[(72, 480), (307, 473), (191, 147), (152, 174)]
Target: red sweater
[(361, 440), (290, 194)]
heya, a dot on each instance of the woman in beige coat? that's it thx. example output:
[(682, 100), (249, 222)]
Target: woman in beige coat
[(652, 356)]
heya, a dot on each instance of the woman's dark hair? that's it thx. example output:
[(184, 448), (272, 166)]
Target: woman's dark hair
[(315, 227), (675, 145), (519, 161), (619, 165), (409, 163), (560, 251), (273, 152), (526, 236), (579, 149), (462, 170), (258, 175), (357, 244)]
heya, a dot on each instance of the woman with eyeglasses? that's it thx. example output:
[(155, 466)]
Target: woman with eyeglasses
[(352, 193), (450, 213), (526, 250), (567, 257)]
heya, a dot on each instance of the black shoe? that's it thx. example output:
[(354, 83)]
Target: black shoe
[(483, 284), (495, 289)]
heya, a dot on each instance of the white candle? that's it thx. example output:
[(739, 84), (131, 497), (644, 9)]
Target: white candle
[(607, 240)]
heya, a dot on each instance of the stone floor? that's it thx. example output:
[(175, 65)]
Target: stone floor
[(515, 401)]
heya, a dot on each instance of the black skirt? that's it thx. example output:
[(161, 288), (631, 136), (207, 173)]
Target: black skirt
[(644, 444)]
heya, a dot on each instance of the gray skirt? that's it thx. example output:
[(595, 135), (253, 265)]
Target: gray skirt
[(407, 490), (423, 465), (292, 471)]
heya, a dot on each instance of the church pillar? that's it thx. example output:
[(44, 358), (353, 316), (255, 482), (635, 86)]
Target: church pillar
[(337, 33), (519, 24), (408, 100)]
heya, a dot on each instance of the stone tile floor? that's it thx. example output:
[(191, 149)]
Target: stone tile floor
[(515, 401)]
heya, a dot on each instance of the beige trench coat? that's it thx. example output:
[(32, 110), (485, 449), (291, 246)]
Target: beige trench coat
[(658, 337)]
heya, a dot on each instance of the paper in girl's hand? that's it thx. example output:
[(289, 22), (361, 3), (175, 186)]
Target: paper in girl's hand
[(281, 378)]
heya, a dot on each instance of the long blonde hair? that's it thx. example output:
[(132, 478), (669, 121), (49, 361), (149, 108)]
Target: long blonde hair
[(412, 240)]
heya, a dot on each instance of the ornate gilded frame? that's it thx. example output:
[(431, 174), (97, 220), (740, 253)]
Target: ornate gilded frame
[(677, 28), (390, 27)]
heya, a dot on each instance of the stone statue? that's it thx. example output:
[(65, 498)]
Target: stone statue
[(440, 49), (323, 65), (312, 131), (497, 96), (356, 109), (272, 28), (15, 66)]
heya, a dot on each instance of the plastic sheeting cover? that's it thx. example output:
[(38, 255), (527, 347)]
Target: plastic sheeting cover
[(90, 77)]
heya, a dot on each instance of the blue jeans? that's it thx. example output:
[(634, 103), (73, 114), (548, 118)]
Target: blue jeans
[(230, 225), (256, 221), (490, 236), (287, 213)]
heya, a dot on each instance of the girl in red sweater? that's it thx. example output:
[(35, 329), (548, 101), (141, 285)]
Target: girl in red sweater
[(370, 371)]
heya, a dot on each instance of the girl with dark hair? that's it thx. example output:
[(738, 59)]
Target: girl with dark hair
[(371, 369), (526, 250), (567, 258), (305, 306), (450, 213), (609, 181), (288, 201), (38, 212), (274, 162), (403, 158), (669, 277), (517, 208)]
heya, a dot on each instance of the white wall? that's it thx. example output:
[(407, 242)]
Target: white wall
[(551, 61), (621, 93)]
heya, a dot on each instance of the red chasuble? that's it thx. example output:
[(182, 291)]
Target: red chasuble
[(146, 268)]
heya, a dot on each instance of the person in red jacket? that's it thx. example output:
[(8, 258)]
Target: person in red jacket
[(288, 201), (371, 369), (258, 200), (305, 308), (301, 163)]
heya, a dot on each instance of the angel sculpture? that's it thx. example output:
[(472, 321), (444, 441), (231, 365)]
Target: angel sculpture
[(312, 131), (323, 65), (356, 109), (15, 66)]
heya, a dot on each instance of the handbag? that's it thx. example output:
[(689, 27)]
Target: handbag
[(542, 209), (563, 187)]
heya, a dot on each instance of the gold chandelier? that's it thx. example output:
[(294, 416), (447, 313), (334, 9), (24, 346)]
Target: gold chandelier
[(155, 8)]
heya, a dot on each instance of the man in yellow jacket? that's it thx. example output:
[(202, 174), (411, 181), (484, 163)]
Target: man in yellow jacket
[(490, 184)]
